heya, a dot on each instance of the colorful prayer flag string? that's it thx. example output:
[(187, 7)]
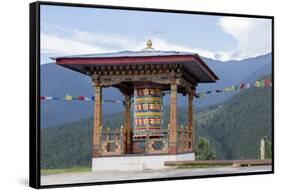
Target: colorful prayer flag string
[(257, 84), (243, 86)]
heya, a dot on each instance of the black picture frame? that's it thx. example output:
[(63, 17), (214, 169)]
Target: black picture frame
[(34, 92)]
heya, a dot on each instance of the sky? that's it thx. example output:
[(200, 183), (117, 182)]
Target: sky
[(76, 30)]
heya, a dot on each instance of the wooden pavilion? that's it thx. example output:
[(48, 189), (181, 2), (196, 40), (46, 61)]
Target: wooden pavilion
[(143, 76)]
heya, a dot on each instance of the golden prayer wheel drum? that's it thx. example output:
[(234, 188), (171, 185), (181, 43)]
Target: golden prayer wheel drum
[(148, 110)]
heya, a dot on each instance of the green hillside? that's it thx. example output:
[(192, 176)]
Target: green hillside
[(70, 144), (234, 129)]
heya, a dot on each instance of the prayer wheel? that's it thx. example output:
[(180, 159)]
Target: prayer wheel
[(148, 110)]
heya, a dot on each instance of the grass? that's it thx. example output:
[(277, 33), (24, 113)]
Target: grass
[(202, 166), (65, 170)]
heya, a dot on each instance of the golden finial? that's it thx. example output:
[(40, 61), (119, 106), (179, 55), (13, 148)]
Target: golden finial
[(148, 46)]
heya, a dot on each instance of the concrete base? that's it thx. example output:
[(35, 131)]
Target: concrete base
[(132, 162)]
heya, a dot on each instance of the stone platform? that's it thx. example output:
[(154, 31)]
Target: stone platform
[(137, 162), (104, 176)]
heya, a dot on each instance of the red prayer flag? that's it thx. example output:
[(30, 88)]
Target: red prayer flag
[(42, 98), (267, 82), (81, 98)]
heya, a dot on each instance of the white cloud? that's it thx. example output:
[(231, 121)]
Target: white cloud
[(82, 42), (253, 36), (57, 45), (57, 40)]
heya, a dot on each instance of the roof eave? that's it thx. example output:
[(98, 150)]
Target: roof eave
[(122, 60)]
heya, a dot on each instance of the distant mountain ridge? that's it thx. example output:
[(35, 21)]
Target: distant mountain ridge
[(59, 81)]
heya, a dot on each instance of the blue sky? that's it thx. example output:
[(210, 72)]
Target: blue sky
[(74, 30)]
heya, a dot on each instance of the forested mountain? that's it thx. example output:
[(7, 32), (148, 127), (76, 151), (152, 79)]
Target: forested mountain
[(58, 81), (234, 129)]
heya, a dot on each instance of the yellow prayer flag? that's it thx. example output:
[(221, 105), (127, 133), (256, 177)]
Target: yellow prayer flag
[(257, 84), (67, 97)]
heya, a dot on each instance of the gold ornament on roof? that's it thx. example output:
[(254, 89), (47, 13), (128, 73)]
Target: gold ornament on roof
[(149, 43), (148, 46)]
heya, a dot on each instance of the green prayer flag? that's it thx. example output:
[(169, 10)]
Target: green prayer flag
[(202, 95), (227, 89), (232, 88), (262, 83)]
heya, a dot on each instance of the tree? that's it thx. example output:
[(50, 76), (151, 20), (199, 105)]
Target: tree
[(204, 151)]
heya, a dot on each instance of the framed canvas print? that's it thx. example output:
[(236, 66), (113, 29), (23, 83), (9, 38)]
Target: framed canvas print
[(121, 94)]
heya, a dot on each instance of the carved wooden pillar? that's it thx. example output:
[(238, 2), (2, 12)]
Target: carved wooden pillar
[(127, 117), (191, 136), (97, 119), (173, 120)]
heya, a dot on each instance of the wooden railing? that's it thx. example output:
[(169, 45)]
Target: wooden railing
[(157, 141), (113, 141), (183, 139)]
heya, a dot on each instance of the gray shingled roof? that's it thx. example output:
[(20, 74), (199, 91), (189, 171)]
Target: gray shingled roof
[(126, 54), (192, 67)]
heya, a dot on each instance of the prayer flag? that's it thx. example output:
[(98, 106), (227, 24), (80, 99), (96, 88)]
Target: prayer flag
[(257, 84), (267, 82), (232, 88), (262, 83), (48, 98), (81, 98), (202, 95), (227, 89), (68, 97), (87, 99)]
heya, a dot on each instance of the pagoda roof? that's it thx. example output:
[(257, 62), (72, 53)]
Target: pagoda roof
[(190, 62)]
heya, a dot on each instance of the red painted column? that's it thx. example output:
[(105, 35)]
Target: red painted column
[(97, 119), (173, 120), (127, 117), (191, 136)]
